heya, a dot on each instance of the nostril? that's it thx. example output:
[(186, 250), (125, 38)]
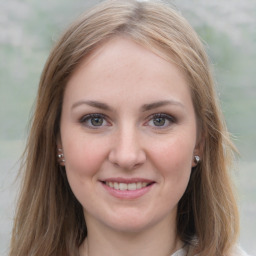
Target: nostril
[(127, 159)]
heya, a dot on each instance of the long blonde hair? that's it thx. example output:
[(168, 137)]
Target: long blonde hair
[(49, 219)]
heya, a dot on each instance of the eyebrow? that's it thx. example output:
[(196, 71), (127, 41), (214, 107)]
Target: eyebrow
[(147, 107), (144, 108), (95, 104)]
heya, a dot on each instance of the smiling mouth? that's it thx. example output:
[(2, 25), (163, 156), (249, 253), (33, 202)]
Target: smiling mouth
[(127, 186)]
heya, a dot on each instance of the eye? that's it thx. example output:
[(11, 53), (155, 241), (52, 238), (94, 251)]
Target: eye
[(160, 120), (94, 121)]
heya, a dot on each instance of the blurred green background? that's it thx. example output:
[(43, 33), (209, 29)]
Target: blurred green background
[(28, 30)]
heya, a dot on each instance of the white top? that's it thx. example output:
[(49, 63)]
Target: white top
[(237, 251), (180, 252)]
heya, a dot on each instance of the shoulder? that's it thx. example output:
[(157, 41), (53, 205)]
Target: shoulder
[(237, 251)]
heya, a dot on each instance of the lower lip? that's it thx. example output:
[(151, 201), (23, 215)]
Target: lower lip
[(128, 194)]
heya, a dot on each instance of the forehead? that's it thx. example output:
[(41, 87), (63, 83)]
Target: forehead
[(121, 65), (122, 51)]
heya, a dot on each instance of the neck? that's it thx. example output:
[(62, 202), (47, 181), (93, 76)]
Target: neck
[(159, 240)]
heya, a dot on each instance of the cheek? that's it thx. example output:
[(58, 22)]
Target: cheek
[(173, 159), (84, 156)]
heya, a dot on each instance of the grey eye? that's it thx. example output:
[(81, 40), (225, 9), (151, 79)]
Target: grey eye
[(159, 121), (96, 121)]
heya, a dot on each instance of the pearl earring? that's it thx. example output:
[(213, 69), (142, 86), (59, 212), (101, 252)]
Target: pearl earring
[(61, 156), (197, 159)]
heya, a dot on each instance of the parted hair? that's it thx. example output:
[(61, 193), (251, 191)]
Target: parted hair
[(49, 220)]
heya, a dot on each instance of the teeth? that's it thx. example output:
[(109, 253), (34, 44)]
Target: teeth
[(125, 186), (116, 186), (132, 186), (139, 185)]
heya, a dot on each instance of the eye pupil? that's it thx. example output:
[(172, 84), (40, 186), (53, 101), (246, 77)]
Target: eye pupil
[(97, 121), (159, 121)]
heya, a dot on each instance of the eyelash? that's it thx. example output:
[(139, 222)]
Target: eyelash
[(167, 117), (89, 117)]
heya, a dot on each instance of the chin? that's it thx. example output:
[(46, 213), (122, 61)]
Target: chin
[(128, 223), (130, 227)]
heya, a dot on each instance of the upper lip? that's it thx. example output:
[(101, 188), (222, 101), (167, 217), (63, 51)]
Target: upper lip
[(127, 180)]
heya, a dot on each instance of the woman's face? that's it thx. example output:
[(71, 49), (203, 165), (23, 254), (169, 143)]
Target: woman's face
[(129, 135)]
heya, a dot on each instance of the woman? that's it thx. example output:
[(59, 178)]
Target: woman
[(128, 153)]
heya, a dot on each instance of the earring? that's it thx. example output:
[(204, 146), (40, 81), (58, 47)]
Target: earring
[(61, 156), (197, 159)]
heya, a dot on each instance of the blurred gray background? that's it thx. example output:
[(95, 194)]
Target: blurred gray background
[(28, 29)]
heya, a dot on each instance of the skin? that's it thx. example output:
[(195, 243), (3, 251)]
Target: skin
[(129, 142)]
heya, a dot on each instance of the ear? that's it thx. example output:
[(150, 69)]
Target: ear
[(198, 151), (58, 142), (60, 153)]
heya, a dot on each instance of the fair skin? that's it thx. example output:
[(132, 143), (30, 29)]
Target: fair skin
[(129, 135)]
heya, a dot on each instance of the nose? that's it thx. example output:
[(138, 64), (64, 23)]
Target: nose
[(126, 151)]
